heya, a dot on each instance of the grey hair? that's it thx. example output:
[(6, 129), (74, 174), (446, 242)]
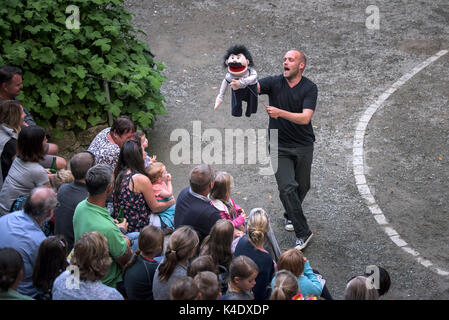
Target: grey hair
[(38, 206), (98, 178)]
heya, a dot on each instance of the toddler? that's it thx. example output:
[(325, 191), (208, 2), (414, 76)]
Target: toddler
[(140, 135)]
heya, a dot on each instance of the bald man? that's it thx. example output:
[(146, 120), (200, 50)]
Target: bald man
[(292, 102)]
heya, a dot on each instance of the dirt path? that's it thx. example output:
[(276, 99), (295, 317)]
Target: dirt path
[(406, 147)]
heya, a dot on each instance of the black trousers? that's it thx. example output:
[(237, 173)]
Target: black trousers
[(293, 179), (248, 94)]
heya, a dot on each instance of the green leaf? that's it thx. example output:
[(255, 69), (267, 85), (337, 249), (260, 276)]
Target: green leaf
[(103, 43), (93, 120)]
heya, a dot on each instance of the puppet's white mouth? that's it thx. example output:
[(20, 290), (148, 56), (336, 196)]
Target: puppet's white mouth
[(237, 69)]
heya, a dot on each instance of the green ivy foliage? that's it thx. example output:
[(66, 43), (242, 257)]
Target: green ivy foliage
[(64, 69)]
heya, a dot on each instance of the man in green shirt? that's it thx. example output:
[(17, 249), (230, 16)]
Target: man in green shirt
[(91, 215)]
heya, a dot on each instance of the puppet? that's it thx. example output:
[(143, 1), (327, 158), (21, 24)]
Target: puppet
[(242, 78)]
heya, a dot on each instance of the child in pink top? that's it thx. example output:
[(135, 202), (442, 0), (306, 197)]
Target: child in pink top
[(163, 190), (220, 196)]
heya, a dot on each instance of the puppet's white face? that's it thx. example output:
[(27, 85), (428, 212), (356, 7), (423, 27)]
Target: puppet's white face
[(237, 64)]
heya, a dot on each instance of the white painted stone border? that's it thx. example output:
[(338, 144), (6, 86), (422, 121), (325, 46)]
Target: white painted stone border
[(359, 169)]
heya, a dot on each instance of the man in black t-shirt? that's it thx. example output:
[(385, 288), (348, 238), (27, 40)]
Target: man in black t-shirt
[(292, 102)]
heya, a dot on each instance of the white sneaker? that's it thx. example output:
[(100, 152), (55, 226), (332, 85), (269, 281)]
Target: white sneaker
[(301, 243), (288, 225)]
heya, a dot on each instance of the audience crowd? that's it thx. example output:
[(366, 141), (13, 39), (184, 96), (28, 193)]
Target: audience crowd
[(108, 227)]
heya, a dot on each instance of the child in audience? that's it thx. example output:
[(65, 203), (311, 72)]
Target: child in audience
[(218, 245), (310, 283), (138, 274), (285, 286), (184, 288), (201, 263), (384, 280), (243, 272), (358, 289), (51, 261), (220, 196), (60, 177), (140, 135), (208, 286), (182, 246), (163, 190), (11, 273)]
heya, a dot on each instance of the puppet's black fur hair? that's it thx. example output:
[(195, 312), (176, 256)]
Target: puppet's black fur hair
[(236, 50)]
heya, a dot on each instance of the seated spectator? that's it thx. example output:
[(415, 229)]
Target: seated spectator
[(182, 246), (69, 195), (193, 207), (310, 281), (11, 120), (284, 286), (184, 288), (91, 215), (21, 230), (61, 177), (51, 261), (140, 136), (221, 199), (252, 246), (243, 272), (25, 172), (163, 190), (106, 145), (138, 274), (208, 286), (384, 280), (11, 273), (10, 86), (91, 261), (133, 189), (360, 288), (201, 263), (218, 245)]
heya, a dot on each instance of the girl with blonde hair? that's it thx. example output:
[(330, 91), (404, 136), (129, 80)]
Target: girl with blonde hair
[(285, 286)]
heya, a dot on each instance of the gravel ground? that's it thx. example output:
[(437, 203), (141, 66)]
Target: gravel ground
[(406, 146)]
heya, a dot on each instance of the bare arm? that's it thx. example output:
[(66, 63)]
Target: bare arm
[(142, 184), (123, 259), (299, 118)]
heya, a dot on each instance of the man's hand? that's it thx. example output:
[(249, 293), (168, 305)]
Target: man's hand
[(123, 225), (235, 84), (273, 112)]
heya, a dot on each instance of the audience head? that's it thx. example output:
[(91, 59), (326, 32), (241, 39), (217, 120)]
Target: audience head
[(218, 243), (41, 204), (243, 272), (12, 114), (257, 225), (91, 256), (202, 179), (140, 135), (10, 81), (360, 288), (223, 183), (151, 243), (60, 177), (208, 286), (184, 288), (81, 163), (123, 129), (293, 261), (31, 144), (182, 245), (11, 269), (99, 180), (285, 286), (384, 280), (156, 171), (201, 263), (51, 261)]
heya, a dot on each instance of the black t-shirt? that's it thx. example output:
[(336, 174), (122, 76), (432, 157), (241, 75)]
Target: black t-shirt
[(138, 279), (7, 156), (302, 96)]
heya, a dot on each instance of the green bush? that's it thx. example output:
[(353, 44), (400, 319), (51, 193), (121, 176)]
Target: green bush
[(64, 69)]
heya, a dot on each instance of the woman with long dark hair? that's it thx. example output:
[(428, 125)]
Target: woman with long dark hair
[(133, 191), (25, 173)]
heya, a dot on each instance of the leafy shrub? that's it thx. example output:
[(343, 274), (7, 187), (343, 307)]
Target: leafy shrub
[(64, 69)]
